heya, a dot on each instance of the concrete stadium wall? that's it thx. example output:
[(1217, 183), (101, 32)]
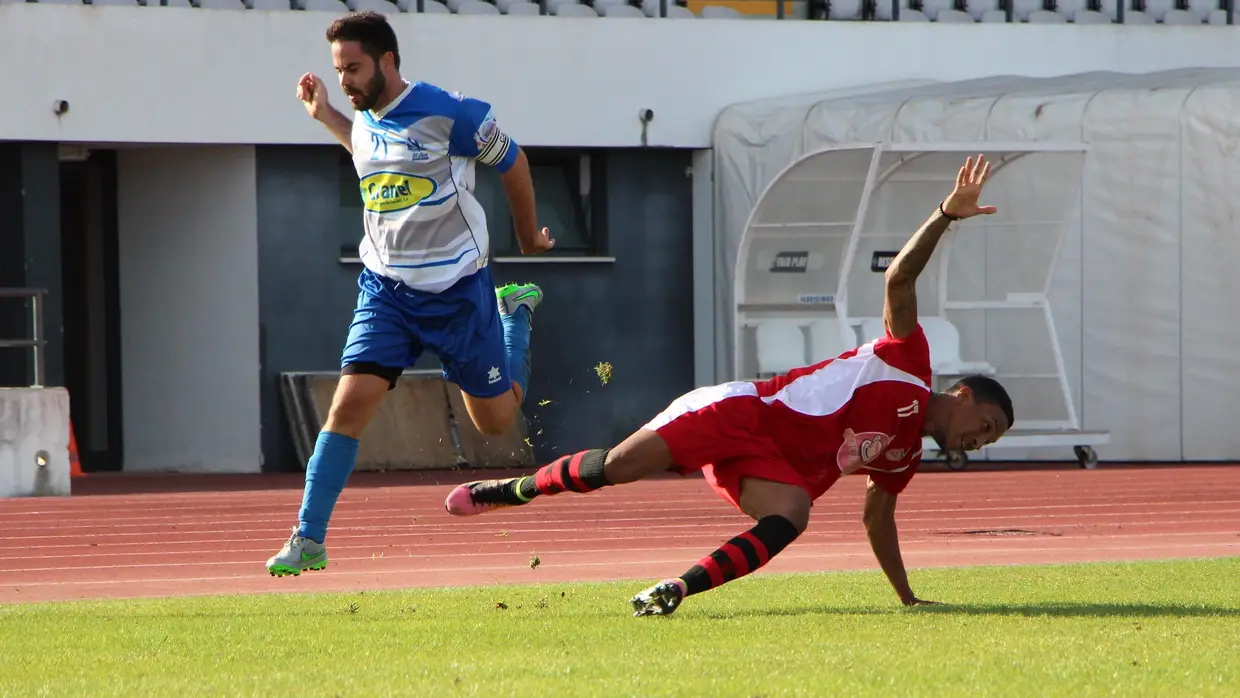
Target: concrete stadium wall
[(635, 312), (34, 442), (181, 75), (189, 308)]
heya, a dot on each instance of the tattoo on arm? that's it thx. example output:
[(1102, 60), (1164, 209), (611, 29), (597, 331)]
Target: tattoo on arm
[(900, 304), (900, 309)]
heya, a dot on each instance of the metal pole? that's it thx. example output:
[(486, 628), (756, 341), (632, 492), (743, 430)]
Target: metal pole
[(36, 330)]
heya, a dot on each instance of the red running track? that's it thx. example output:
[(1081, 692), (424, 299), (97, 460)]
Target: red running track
[(127, 536)]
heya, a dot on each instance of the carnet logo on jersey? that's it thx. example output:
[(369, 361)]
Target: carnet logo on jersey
[(790, 262), (388, 192)]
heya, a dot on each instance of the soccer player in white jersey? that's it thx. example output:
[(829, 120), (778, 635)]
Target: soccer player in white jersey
[(771, 448), (426, 284)]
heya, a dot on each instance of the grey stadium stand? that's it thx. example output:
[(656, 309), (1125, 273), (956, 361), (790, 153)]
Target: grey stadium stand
[(1135, 12)]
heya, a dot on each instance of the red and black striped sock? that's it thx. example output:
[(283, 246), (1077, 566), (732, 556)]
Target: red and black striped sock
[(580, 472), (741, 555)]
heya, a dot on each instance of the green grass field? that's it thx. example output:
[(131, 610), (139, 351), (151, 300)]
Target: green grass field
[(1141, 629)]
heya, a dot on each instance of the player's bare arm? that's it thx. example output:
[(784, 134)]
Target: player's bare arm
[(900, 304), (880, 527), (313, 95), (519, 187)]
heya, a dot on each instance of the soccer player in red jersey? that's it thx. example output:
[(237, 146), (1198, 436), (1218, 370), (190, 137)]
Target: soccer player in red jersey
[(773, 447)]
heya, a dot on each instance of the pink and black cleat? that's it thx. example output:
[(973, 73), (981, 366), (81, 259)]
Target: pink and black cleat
[(473, 498)]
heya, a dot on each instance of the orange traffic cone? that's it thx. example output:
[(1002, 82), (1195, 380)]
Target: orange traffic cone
[(75, 465)]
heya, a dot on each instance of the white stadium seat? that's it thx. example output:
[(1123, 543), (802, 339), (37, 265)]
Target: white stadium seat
[(323, 6), (827, 340), (624, 11), (781, 345), (381, 6), (522, 9), (217, 4), (476, 7), (1181, 18), (1091, 17), (1046, 17), (950, 16), (720, 12), (944, 341), (574, 10)]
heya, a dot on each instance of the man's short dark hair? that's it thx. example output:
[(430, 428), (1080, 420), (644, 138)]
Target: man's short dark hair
[(987, 391), (370, 29)]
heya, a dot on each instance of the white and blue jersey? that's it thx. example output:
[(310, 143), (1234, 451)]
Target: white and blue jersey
[(427, 286), (415, 162)]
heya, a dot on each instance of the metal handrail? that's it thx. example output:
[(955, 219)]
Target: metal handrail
[(37, 342)]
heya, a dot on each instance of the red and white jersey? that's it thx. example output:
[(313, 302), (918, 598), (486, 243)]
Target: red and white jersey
[(863, 410)]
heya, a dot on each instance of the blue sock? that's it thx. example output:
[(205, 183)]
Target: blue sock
[(517, 344), (326, 473)]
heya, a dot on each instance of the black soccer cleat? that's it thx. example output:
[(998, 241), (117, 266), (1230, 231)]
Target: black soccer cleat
[(661, 599)]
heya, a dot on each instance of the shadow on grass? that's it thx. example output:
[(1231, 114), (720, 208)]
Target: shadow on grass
[(1087, 610), (1060, 610)]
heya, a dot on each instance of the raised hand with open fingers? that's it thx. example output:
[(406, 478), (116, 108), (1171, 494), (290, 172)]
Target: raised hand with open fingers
[(962, 202)]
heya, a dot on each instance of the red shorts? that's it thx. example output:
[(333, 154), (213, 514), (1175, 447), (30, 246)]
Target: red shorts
[(716, 430)]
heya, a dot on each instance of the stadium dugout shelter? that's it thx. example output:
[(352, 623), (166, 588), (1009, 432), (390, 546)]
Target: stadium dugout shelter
[(1102, 293), (809, 281)]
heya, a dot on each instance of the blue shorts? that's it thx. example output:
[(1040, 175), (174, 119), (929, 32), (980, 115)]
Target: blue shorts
[(393, 324)]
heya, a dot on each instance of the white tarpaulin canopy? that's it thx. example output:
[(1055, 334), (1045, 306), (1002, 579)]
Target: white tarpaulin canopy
[(1107, 273)]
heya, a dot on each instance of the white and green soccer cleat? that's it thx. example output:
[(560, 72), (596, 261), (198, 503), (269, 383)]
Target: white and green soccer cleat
[(297, 555)]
